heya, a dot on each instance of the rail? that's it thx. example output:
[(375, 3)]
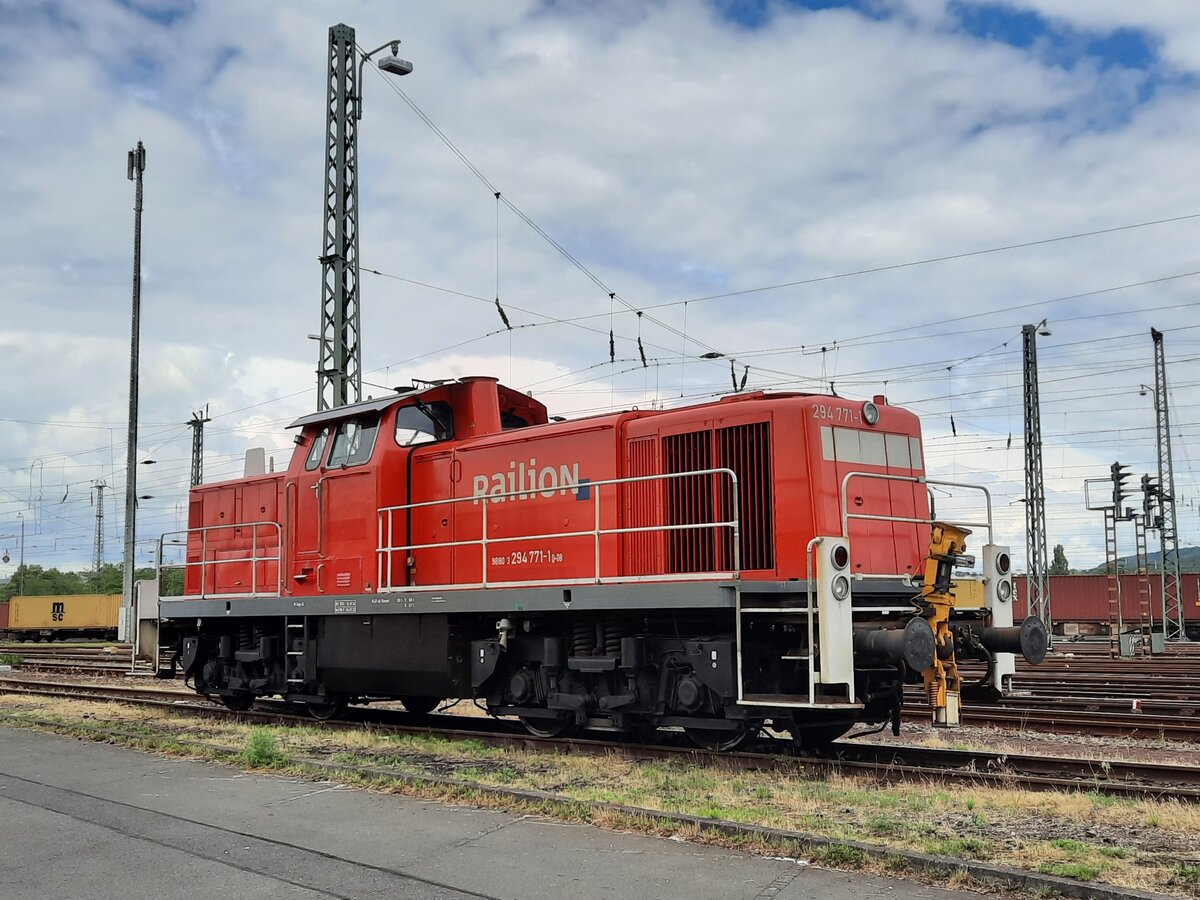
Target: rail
[(255, 558), (911, 479), (387, 549)]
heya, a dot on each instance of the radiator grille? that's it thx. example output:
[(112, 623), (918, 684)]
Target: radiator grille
[(689, 502), (643, 504), (747, 450)]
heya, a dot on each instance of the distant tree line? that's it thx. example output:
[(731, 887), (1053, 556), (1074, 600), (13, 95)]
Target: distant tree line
[(38, 581)]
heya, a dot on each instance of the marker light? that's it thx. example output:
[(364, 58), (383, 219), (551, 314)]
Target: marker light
[(840, 557), (841, 587)]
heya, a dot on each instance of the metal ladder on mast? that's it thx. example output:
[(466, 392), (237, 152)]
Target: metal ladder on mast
[(1115, 623), (1145, 610)]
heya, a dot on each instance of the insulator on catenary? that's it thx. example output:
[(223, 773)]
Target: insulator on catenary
[(503, 314), (641, 349)]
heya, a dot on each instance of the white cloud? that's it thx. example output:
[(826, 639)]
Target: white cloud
[(675, 154)]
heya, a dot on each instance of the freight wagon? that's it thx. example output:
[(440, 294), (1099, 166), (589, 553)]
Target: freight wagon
[(62, 617), (1079, 603)]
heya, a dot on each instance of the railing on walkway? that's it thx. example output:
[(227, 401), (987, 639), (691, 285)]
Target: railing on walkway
[(911, 479), (209, 567), (387, 549)]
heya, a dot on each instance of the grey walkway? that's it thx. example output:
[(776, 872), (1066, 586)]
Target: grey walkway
[(88, 820)]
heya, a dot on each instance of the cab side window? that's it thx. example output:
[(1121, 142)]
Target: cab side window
[(353, 442), (317, 451), (424, 423)]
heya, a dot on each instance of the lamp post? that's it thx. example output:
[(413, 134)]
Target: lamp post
[(393, 65), (137, 165)]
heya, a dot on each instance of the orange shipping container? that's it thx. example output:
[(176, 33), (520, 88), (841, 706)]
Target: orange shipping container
[(65, 612)]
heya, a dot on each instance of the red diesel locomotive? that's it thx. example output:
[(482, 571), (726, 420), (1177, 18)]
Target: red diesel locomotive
[(765, 558)]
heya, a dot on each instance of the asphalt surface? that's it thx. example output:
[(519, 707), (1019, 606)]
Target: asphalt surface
[(79, 819)]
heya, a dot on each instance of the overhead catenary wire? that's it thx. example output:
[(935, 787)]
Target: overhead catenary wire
[(641, 312), (571, 258)]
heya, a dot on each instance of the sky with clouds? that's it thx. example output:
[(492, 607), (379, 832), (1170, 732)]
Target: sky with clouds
[(757, 178)]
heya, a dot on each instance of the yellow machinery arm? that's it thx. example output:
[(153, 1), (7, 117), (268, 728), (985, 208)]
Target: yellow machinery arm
[(947, 546)]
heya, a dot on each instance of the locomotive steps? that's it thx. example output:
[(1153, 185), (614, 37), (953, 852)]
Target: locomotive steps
[(947, 831)]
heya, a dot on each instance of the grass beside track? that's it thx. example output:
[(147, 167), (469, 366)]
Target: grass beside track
[(1137, 844)]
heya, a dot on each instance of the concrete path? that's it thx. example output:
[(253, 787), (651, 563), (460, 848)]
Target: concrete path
[(79, 819)]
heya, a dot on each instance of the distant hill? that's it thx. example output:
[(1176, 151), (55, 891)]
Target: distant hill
[(1189, 561)]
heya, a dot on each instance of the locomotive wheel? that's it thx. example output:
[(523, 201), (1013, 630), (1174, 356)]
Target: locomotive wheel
[(419, 706), (548, 727), (330, 709), (720, 740), (237, 702)]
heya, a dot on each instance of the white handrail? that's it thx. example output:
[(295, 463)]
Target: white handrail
[(254, 558), (912, 479), (812, 640), (596, 533)]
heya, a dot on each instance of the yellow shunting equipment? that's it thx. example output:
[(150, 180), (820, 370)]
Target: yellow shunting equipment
[(943, 685), (969, 593), (62, 612)]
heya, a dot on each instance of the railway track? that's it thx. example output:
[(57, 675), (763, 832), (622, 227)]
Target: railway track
[(1054, 698), (887, 763), (108, 659)]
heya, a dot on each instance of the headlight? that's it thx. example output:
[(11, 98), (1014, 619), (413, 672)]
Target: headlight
[(870, 413), (1004, 590), (841, 587)]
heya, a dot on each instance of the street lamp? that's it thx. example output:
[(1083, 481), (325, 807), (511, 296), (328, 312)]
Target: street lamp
[(393, 65)]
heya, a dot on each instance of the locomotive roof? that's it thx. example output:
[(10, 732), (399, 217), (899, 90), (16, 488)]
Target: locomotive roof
[(353, 409)]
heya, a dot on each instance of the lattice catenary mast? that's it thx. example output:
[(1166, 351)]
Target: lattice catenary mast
[(1168, 531), (1035, 490), (98, 546), (339, 372), (197, 422)]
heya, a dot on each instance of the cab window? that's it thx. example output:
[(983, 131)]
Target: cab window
[(317, 450), (424, 423), (353, 442)]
